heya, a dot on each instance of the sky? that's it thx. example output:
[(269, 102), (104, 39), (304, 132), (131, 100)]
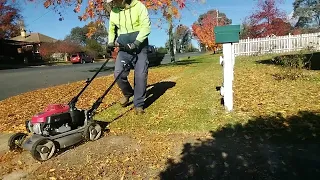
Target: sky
[(46, 21)]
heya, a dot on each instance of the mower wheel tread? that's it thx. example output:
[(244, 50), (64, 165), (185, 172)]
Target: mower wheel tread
[(89, 126), (36, 155), (16, 137)]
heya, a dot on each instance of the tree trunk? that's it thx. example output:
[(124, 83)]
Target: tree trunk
[(171, 40)]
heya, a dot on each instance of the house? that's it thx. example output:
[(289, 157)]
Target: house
[(12, 51), (34, 39), (32, 43)]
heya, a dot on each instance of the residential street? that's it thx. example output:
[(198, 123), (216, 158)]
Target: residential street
[(16, 81)]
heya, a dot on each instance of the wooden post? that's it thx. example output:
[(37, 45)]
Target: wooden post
[(228, 64)]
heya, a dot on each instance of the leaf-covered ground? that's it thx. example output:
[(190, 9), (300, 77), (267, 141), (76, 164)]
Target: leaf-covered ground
[(15, 110), (259, 93), (274, 130)]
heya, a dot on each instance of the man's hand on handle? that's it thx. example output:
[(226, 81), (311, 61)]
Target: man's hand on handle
[(111, 46), (114, 45), (131, 47)]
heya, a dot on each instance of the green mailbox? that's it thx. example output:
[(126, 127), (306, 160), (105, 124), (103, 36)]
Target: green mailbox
[(227, 34)]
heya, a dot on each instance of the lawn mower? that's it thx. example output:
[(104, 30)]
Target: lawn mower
[(61, 125)]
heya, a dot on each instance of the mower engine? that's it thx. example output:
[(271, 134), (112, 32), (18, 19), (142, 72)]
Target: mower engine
[(55, 119)]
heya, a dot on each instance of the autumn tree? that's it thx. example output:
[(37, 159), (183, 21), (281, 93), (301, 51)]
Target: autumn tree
[(9, 19), (65, 47), (203, 29), (170, 10), (79, 34), (267, 20), (94, 45), (98, 11)]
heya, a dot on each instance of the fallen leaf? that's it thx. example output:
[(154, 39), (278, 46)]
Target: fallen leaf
[(127, 159)]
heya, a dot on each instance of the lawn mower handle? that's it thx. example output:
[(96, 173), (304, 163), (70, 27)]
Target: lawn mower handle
[(116, 46), (120, 46), (96, 104), (74, 100)]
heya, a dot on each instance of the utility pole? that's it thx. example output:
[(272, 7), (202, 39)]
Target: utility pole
[(217, 24), (217, 17), (171, 38)]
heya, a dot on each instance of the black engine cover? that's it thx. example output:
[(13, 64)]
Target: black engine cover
[(59, 119), (78, 117), (74, 118)]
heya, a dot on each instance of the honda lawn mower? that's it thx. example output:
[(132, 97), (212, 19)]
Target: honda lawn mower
[(61, 125)]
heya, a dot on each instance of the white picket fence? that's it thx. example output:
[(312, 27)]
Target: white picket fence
[(277, 44)]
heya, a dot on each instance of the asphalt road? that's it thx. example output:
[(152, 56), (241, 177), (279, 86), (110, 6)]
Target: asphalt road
[(17, 81)]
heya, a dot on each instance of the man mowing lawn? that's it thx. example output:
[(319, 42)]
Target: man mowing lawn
[(131, 19)]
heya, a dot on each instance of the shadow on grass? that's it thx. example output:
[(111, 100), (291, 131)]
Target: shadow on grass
[(157, 90), (314, 59), (152, 94), (271, 147)]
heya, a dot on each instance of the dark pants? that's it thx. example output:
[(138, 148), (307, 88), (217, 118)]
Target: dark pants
[(140, 76)]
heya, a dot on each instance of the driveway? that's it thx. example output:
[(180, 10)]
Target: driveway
[(17, 81)]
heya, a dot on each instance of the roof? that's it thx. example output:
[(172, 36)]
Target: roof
[(34, 37), (13, 42)]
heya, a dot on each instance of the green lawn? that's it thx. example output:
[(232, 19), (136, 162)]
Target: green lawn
[(186, 131), (189, 102), (185, 102)]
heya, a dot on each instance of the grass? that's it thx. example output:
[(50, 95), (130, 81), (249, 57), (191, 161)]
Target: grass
[(183, 103), (182, 97), (259, 92), (193, 104), (274, 125)]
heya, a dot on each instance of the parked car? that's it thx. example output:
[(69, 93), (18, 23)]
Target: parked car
[(154, 56), (81, 57)]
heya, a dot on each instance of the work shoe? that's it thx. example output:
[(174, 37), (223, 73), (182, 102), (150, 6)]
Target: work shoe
[(124, 101), (139, 110)]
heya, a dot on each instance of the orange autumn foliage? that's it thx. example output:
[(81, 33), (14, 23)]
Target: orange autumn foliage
[(98, 10), (204, 29)]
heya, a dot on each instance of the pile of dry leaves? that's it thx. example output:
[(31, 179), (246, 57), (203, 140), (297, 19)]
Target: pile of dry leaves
[(17, 109)]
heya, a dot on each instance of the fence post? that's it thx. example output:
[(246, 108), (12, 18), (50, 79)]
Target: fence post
[(248, 46), (290, 43)]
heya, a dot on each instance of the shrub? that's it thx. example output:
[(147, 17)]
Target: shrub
[(292, 64), (296, 61), (47, 50)]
